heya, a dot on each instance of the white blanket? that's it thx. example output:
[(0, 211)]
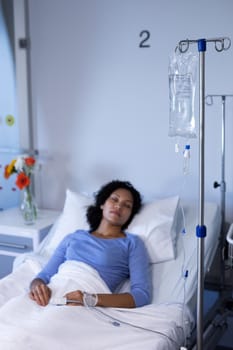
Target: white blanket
[(26, 326)]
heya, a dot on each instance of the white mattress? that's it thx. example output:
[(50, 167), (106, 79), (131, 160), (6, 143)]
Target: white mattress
[(162, 326)]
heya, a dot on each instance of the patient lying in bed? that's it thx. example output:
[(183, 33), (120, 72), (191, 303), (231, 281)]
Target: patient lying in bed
[(163, 324), (106, 252)]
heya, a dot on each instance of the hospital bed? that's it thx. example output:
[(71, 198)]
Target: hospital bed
[(167, 226)]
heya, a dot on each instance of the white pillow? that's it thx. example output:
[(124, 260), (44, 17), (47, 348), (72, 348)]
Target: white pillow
[(72, 218), (155, 224)]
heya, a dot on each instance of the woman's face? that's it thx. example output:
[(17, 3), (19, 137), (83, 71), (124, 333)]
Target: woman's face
[(118, 207)]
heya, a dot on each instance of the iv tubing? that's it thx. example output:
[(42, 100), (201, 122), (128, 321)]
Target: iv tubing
[(201, 229), (223, 188)]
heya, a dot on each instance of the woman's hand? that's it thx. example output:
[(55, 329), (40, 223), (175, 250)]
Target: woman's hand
[(40, 292), (76, 295)]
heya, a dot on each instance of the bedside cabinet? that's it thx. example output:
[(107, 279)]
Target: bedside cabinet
[(16, 237)]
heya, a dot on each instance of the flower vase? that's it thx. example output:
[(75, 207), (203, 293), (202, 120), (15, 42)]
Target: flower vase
[(28, 207)]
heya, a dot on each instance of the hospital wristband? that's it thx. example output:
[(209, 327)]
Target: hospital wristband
[(90, 300)]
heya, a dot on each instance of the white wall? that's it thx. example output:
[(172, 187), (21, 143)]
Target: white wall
[(101, 103)]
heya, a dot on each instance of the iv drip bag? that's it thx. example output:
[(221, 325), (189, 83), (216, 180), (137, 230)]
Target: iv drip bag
[(182, 84)]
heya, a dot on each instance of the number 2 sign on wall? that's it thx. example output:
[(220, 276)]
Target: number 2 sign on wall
[(145, 36)]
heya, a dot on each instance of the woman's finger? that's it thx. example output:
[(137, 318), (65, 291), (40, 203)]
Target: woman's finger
[(41, 294)]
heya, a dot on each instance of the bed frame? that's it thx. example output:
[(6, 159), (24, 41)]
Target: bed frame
[(219, 280)]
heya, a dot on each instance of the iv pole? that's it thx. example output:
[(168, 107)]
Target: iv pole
[(209, 102), (183, 46)]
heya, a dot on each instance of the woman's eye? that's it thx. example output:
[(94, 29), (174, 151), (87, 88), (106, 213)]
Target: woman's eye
[(127, 205), (123, 204)]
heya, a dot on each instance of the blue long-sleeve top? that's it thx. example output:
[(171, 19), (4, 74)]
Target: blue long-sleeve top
[(115, 260)]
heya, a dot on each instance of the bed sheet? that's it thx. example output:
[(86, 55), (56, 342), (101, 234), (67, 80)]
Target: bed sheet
[(73, 328), (160, 327)]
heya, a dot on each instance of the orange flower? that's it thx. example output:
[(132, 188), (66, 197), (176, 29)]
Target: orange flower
[(22, 181), (30, 161), (9, 169), (7, 174)]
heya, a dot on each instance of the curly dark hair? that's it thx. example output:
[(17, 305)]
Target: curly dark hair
[(94, 212)]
